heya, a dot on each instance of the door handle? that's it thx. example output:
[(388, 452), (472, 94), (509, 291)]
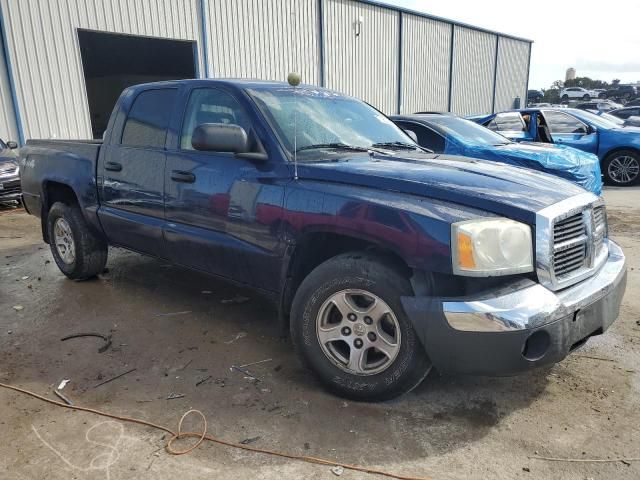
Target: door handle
[(184, 177), (113, 166)]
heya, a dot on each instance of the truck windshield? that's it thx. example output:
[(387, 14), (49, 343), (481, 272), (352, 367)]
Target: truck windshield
[(467, 131), (325, 120)]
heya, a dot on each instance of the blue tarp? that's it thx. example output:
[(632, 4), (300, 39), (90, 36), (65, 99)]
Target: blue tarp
[(570, 163)]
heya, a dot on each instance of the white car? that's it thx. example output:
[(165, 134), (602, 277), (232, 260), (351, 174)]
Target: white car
[(575, 93)]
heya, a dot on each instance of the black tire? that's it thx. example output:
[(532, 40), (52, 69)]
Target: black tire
[(90, 252), (565, 98), (375, 275), (612, 174), (586, 97)]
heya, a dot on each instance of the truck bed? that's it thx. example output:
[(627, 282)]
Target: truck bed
[(69, 162)]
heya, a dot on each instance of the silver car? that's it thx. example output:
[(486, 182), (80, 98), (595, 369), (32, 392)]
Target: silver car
[(9, 173)]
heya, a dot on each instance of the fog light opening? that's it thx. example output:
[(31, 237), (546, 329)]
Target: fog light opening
[(536, 345)]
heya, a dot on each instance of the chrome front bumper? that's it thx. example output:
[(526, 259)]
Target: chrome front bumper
[(529, 305)]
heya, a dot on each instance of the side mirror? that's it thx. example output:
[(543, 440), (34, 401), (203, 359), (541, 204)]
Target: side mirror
[(412, 135), (12, 145), (220, 137)]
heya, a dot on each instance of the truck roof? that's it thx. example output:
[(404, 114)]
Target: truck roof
[(242, 83)]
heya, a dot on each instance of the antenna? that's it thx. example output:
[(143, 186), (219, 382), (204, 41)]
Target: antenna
[(294, 80)]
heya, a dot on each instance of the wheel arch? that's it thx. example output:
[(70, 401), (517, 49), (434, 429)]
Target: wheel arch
[(54, 191), (318, 246)]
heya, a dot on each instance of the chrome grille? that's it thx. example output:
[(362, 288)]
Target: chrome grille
[(569, 245), (571, 240), (600, 226), (11, 170)]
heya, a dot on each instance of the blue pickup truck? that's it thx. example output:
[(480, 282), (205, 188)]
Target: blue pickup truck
[(383, 260)]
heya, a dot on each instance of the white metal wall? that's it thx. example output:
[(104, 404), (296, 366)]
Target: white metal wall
[(511, 79), (45, 55), (263, 39), (364, 65), (426, 53), (8, 127), (474, 56)]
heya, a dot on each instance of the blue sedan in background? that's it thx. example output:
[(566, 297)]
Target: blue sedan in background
[(450, 134), (617, 145)]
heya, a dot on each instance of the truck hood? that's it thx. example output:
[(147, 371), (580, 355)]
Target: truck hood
[(514, 192)]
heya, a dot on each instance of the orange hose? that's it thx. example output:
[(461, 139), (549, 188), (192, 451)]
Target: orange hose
[(203, 436)]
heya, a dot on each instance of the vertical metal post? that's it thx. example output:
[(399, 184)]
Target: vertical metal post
[(495, 75), (12, 86), (205, 36), (400, 63), (321, 42), (453, 32), (526, 91)]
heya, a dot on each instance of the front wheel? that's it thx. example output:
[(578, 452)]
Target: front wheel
[(78, 253), (622, 168), (350, 329), (586, 97), (565, 98)]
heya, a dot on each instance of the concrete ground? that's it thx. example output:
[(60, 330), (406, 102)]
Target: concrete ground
[(173, 327)]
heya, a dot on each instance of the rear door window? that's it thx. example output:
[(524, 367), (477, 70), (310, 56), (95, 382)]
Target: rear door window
[(148, 119)]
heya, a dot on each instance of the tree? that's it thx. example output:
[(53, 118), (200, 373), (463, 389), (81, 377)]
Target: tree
[(552, 94), (586, 82), (615, 81)]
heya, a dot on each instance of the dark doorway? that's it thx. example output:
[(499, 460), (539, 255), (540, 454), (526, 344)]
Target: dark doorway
[(112, 62)]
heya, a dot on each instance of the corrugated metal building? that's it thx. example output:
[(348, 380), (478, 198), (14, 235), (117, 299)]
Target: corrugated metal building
[(63, 62)]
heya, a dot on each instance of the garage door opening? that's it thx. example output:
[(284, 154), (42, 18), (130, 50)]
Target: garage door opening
[(112, 62)]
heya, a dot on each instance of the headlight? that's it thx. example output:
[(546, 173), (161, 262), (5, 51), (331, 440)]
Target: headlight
[(490, 247)]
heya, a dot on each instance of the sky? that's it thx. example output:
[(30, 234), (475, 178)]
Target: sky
[(599, 43)]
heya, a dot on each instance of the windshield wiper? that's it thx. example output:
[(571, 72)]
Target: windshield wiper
[(335, 146), (401, 146), (396, 145)]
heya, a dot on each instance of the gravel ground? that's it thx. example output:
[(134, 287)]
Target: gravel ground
[(173, 327)]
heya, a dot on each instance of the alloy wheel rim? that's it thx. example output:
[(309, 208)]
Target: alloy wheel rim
[(64, 242), (623, 169), (358, 332)]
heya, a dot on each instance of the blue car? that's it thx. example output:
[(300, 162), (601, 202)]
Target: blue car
[(616, 144), (450, 134)]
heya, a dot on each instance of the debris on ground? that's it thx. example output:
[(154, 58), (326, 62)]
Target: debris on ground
[(26, 277), (184, 366), (256, 363), (247, 441), (102, 349), (337, 470), (63, 383), (18, 308), (116, 377), (245, 372), (63, 398), (220, 382), (173, 396), (206, 292), (200, 382), (172, 314), (237, 300), (237, 337)]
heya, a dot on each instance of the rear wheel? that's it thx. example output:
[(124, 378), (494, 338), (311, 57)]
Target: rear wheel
[(78, 253), (586, 96), (565, 98), (622, 168), (348, 325)]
